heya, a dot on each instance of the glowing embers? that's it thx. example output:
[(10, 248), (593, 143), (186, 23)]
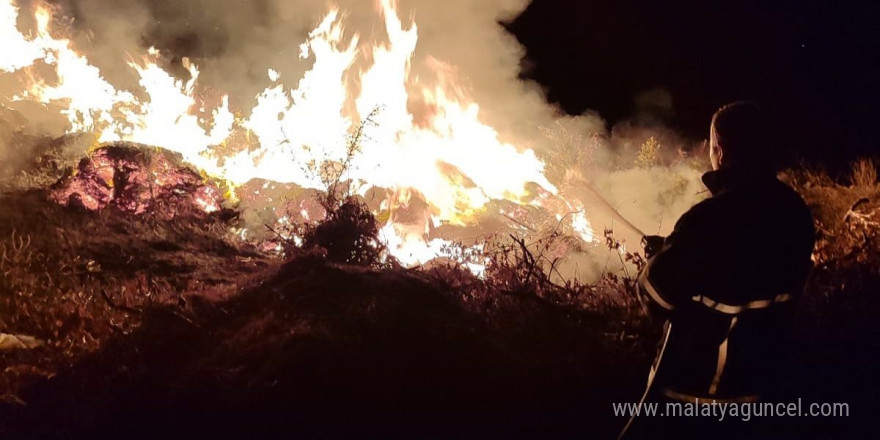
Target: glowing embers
[(138, 180)]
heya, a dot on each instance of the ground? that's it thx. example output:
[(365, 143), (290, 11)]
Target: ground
[(153, 326)]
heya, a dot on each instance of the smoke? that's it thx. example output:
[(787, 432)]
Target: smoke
[(235, 42)]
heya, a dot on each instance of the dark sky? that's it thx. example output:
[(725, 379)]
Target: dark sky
[(817, 64)]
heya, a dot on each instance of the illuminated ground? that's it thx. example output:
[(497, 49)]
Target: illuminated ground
[(212, 339)]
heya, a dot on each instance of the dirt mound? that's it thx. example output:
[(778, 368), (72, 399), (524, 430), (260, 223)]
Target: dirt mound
[(72, 278), (322, 351)]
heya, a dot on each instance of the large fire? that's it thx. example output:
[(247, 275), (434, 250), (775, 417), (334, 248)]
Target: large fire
[(447, 156)]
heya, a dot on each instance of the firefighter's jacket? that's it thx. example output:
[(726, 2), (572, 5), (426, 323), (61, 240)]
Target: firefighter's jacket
[(726, 279)]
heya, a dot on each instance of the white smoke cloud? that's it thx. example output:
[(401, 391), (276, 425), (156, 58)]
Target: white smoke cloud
[(235, 42)]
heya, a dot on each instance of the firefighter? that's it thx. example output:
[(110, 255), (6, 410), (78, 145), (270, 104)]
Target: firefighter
[(725, 281)]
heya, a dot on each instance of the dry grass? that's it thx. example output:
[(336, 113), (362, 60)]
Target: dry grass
[(76, 279), (864, 174), (842, 292)]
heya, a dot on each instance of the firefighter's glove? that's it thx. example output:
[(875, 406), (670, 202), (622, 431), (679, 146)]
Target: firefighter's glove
[(652, 244)]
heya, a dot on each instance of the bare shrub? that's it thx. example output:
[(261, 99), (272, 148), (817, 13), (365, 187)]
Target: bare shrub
[(349, 234), (649, 153), (334, 174)]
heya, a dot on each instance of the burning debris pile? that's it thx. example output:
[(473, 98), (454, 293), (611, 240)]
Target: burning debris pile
[(427, 139), (137, 180), (446, 154)]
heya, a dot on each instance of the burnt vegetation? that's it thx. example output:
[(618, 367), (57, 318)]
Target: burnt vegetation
[(135, 323)]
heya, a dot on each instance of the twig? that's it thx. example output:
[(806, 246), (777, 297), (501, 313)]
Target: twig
[(119, 307), (518, 222), (190, 321), (528, 258), (851, 211)]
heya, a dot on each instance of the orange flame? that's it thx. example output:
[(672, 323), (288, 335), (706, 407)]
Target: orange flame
[(456, 162)]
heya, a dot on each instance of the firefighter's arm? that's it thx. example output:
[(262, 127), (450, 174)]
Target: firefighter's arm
[(677, 269)]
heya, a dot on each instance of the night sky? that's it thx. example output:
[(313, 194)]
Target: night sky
[(814, 63)]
